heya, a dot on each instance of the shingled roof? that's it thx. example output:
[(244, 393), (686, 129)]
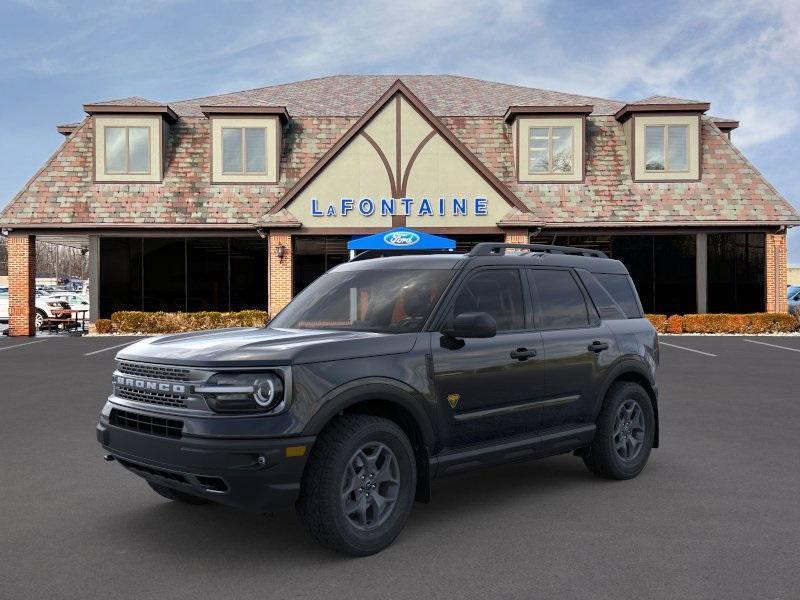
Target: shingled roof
[(731, 191)]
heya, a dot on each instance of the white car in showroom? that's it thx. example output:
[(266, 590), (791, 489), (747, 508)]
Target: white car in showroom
[(47, 307)]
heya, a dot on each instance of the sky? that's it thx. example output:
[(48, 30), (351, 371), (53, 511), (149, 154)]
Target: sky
[(742, 56)]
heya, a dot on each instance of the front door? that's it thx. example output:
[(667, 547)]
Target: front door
[(578, 347), (486, 387)]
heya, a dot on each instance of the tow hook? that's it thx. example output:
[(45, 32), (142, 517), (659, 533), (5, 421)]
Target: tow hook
[(108, 457)]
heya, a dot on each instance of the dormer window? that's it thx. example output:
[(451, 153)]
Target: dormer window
[(548, 142), (244, 150), (127, 150), (550, 150), (245, 143), (666, 148)]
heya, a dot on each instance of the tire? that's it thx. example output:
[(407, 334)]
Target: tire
[(337, 513), (176, 495), (39, 318), (628, 407)]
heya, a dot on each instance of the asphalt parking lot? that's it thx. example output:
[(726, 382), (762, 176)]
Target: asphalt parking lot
[(715, 514)]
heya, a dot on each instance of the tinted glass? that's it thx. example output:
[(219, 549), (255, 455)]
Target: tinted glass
[(561, 303), (138, 150), (736, 272), (255, 149), (120, 274), (115, 150), (654, 148), (620, 288), (606, 306), (164, 274), (231, 150), (674, 274), (387, 301), (248, 275), (496, 292), (207, 274)]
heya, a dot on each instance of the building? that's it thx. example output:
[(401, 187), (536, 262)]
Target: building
[(240, 200)]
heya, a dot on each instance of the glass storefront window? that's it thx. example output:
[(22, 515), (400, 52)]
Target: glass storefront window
[(736, 272)]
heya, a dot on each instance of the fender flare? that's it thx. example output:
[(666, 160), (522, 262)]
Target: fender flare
[(374, 388), (631, 364)]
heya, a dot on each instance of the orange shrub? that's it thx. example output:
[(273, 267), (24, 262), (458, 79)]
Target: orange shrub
[(133, 321), (103, 326), (674, 324), (752, 323), (659, 322)]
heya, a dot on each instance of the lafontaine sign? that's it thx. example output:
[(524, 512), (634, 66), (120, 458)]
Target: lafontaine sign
[(422, 207)]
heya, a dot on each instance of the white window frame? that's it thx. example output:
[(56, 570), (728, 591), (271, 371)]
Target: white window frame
[(244, 171), (127, 129), (665, 148), (550, 170)]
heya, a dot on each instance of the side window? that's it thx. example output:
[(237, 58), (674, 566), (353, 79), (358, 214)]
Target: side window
[(497, 292), (605, 304), (561, 302), (621, 289)]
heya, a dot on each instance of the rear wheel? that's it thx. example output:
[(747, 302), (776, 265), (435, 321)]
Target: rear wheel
[(39, 318), (358, 488), (624, 437), (176, 495)]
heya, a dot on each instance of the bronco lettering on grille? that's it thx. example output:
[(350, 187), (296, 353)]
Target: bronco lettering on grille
[(155, 386)]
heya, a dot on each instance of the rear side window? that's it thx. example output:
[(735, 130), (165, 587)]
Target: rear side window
[(497, 292), (605, 304), (561, 302), (622, 291)]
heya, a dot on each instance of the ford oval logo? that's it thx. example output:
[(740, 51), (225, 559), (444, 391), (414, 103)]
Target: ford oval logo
[(401, 238)]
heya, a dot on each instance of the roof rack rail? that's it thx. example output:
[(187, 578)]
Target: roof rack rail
[(499, 249)]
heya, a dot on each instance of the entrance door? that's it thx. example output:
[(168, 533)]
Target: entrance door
[(486, 387)]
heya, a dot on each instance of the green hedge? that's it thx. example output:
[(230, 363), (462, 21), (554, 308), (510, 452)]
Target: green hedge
[(132, 321)]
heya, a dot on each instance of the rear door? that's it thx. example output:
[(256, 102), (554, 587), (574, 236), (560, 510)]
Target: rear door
[(578, 347), (486, 388)]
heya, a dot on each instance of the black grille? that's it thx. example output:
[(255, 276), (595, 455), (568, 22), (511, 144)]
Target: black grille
[(150, 397), (155, 371), (170, 428)]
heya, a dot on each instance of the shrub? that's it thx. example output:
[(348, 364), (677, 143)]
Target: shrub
[(103, 326), (746, 323), (675, 324), (130, 321), (659, 322)]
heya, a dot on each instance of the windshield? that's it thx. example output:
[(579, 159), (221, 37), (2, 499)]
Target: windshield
[(388, 301)]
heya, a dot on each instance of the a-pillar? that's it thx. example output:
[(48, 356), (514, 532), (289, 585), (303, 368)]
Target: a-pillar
[(21, 284), (279, 260), (776, 273)]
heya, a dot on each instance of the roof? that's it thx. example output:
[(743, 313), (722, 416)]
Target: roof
[(63, 194)]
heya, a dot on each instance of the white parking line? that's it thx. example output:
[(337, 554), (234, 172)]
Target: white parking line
[(20, 345), (687, 349), (110, 348), (771, 345)]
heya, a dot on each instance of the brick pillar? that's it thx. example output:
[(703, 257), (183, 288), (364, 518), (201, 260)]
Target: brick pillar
[(517, 236), (280, 271), (775, 273), (21, 284)]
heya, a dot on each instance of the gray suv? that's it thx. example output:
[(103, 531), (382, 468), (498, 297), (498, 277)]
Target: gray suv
[(387, 373)]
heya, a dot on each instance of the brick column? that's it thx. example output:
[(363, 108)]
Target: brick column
[(775, 273), (280, 271), (517, 236), (21, 284)]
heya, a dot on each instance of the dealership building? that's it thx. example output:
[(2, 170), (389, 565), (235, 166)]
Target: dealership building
[(240, 200)]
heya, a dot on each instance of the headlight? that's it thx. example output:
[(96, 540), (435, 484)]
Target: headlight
[(242, 392)]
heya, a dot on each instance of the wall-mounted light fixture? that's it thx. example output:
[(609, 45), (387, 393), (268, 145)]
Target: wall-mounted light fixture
[(280, 252), (261, 233)]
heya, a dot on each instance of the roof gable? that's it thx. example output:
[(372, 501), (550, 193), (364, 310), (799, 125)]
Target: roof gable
[(397, 170)]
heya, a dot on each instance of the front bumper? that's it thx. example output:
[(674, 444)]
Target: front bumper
[(257, 474)]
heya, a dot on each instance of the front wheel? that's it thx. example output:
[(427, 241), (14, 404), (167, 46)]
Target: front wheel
[(39, 318), (358, 488), (624, 437)]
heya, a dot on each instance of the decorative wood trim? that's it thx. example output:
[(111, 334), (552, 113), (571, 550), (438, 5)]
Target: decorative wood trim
[(279, 111), (515, 111), (384, 160), (629, 109), (131, 109), (412, 158)]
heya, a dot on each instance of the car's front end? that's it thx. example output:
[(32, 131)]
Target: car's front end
[(220, 433)]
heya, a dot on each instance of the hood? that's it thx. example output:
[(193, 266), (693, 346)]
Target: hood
[(264, 346)]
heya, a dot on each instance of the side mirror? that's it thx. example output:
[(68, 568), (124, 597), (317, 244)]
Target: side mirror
[(472, 325)]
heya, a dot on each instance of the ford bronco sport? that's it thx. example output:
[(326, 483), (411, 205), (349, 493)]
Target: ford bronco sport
[(386, 373)]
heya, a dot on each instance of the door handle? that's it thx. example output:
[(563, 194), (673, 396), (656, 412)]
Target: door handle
[(598, 346), (522, 353)]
